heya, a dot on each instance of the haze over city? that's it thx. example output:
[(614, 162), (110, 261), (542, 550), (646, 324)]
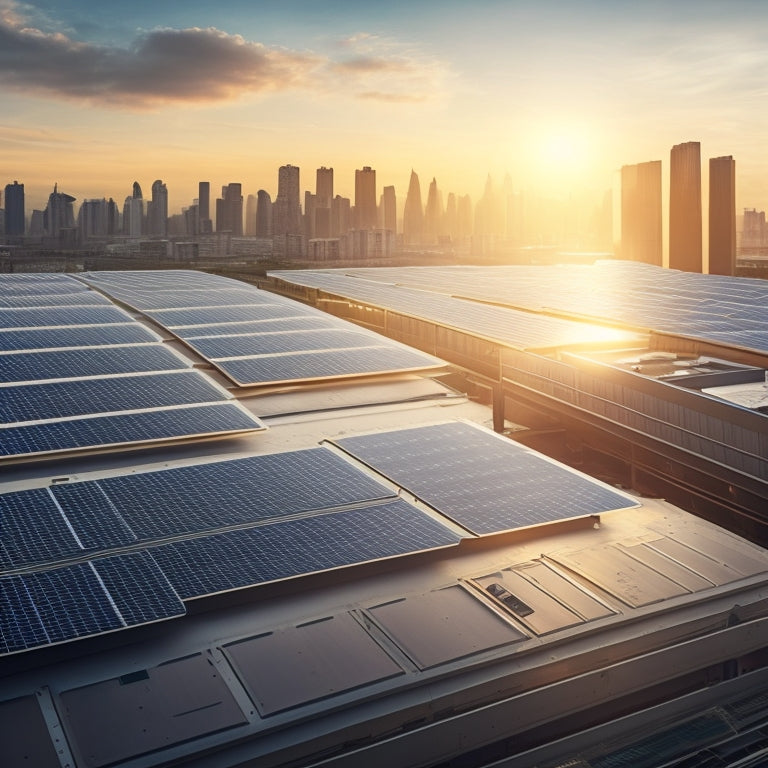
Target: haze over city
[(557, 95)]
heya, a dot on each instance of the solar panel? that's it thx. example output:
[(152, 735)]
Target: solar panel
[(92, 516), (180, 318), (139, 590), (98, 361), (237, 559), (56, 399), (33, 530), (32, 317), (83, 599), (482, 481), (75, 336), (260, 326), (81, 298), (124, 429), (171, 299), (320, 364), (222, 494)]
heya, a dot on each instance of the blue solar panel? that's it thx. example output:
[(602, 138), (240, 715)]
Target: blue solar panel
[(239, 293), (152, 426), (33, 530), (71, 602), (56, 399), (92, 516), (20, 626), (98, 361), (481, 481), (140, 591), (41, 282), (89, 336), (305, 323), (222, 494), (179, 318), (280, 341), (57, 316), (281, 550), (82, 298), (320, 365)]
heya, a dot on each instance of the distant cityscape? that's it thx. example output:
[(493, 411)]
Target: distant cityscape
[(503, 225)]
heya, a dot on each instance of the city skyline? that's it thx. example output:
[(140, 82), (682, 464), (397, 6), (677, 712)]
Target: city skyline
[(559, 96)]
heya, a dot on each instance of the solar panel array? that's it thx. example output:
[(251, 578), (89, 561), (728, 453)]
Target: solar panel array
[(253, 337), (485, 483), (77, 372), (95, 556), (639, 296)]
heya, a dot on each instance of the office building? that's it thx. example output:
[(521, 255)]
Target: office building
[(365, 198), (205, 225), (413, 213), (229, 210), (263, 214), (59, 214), (320, 216), (157, 210), (15, 223), (133, 213), (286, 208), (389, 209), (722, 216), (641, 230), (685, 233), (250, 216), (433, 214)]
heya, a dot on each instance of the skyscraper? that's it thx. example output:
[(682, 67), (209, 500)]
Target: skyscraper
[(157, 210), (365, 198), (413, 213), (321, 212), (229, 210), (263, 214), (722, 216), (389, 209), (641, 238), (14, 210), (59, 213), (250, 216), (204, 207), (133, 212), (685, 207), (286, 209), (433, 214)]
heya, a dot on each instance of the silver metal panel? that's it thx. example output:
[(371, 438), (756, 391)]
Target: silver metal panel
[(24, 736), (144, 711), (296, 665), (670, 568), (443, 626)]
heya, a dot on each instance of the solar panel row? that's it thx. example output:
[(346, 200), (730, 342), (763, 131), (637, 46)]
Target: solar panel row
[(238, 329)]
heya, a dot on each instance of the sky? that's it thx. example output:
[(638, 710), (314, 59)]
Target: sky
[(559, 94)]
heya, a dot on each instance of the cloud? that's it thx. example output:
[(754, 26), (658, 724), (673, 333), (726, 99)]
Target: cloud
[(188, 66)]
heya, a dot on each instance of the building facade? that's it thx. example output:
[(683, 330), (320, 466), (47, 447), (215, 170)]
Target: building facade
[(685, 235)]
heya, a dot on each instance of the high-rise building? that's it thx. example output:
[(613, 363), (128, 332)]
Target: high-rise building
[(722, 216), (433, 214), (413, 213), (324, 187), (365, 198), (685, 207), (320, 215), (263, 214), (286, 209), (229, 210), (389, 209), (641, 238), (14, 210), (59, 213), (157, 210), (133, 213), (250, 216), (205, 225), (93, 219)]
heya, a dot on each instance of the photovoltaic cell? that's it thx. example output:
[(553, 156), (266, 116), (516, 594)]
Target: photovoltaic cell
[(62, 316), (222, 494), (179, 318), (281, 342), (80, 298), (138, 588), (93, 517), (33, 530), (260, 326), (481, 481), (226, 561), (121, 429), (319, 365), (75, 336), (20, 626), (56, 399), (98, 361)]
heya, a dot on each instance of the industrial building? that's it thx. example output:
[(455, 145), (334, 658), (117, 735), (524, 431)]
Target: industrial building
[(241, 531)]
